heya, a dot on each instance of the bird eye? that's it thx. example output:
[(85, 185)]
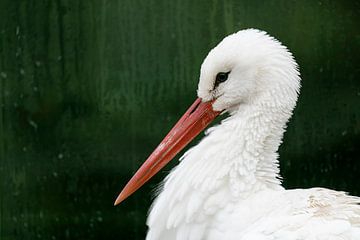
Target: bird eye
[(221, 77)]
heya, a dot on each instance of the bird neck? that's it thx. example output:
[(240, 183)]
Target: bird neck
[(246, 144)]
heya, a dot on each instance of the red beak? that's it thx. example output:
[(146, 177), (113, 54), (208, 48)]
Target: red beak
[(196, 118)]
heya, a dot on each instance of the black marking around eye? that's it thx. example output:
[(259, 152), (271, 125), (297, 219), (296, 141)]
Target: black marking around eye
[(221, 77)]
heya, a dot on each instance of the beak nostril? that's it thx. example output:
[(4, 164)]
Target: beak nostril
[(195, 107)]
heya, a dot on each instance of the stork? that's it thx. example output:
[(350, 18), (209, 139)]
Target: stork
[(228, 186)]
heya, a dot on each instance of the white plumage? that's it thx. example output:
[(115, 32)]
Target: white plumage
[(228, 186)]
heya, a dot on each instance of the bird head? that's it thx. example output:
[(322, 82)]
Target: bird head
[(242, 69)]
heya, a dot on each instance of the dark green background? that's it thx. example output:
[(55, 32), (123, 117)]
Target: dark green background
[(88, 88)]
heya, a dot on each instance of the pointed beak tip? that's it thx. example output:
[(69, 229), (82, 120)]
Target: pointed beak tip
[(119, 199)]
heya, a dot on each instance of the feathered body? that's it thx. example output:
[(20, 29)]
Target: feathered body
[(228, 186)]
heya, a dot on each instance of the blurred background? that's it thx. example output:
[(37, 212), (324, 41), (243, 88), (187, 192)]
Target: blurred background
[(89, 88)]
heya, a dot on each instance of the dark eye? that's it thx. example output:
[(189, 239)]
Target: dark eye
[(221, 77)]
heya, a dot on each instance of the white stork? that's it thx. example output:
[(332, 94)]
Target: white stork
[(228, 186)]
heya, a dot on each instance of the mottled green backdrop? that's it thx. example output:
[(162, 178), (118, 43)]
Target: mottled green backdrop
[(88, 88)]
